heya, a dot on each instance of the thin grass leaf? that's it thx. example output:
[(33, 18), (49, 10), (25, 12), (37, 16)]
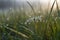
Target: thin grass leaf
[(31, 7), (23, 35), (57, 8)]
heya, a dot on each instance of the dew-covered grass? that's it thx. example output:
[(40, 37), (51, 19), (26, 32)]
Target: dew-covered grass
[(17, 25)]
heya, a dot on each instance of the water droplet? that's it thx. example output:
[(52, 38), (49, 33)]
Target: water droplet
[(21, 8), (29, 16), (8, 18), (6, 24)]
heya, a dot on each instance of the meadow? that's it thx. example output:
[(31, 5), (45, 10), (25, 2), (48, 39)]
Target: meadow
[(17, 25)]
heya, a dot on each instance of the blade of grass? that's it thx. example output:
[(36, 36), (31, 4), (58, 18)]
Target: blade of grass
[(31, 7), (52, 7), (23, 35)]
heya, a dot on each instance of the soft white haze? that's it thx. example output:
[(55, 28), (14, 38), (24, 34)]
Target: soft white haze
[(45, 2)]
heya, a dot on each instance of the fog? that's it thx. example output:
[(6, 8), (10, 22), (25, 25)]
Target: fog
[(6, 4)]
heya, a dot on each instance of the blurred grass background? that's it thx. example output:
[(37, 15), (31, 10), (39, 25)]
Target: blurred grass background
[(17, 25)]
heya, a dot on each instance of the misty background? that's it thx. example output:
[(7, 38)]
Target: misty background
[(9, 4)]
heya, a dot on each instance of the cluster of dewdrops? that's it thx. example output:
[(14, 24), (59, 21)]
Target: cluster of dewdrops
[(34, 19)]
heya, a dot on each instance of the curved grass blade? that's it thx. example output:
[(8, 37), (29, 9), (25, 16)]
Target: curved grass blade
[(23, 35), (31, 7)]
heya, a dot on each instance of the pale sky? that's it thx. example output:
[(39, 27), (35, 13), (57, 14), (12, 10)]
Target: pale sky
[(43, 1), (46, 2)]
